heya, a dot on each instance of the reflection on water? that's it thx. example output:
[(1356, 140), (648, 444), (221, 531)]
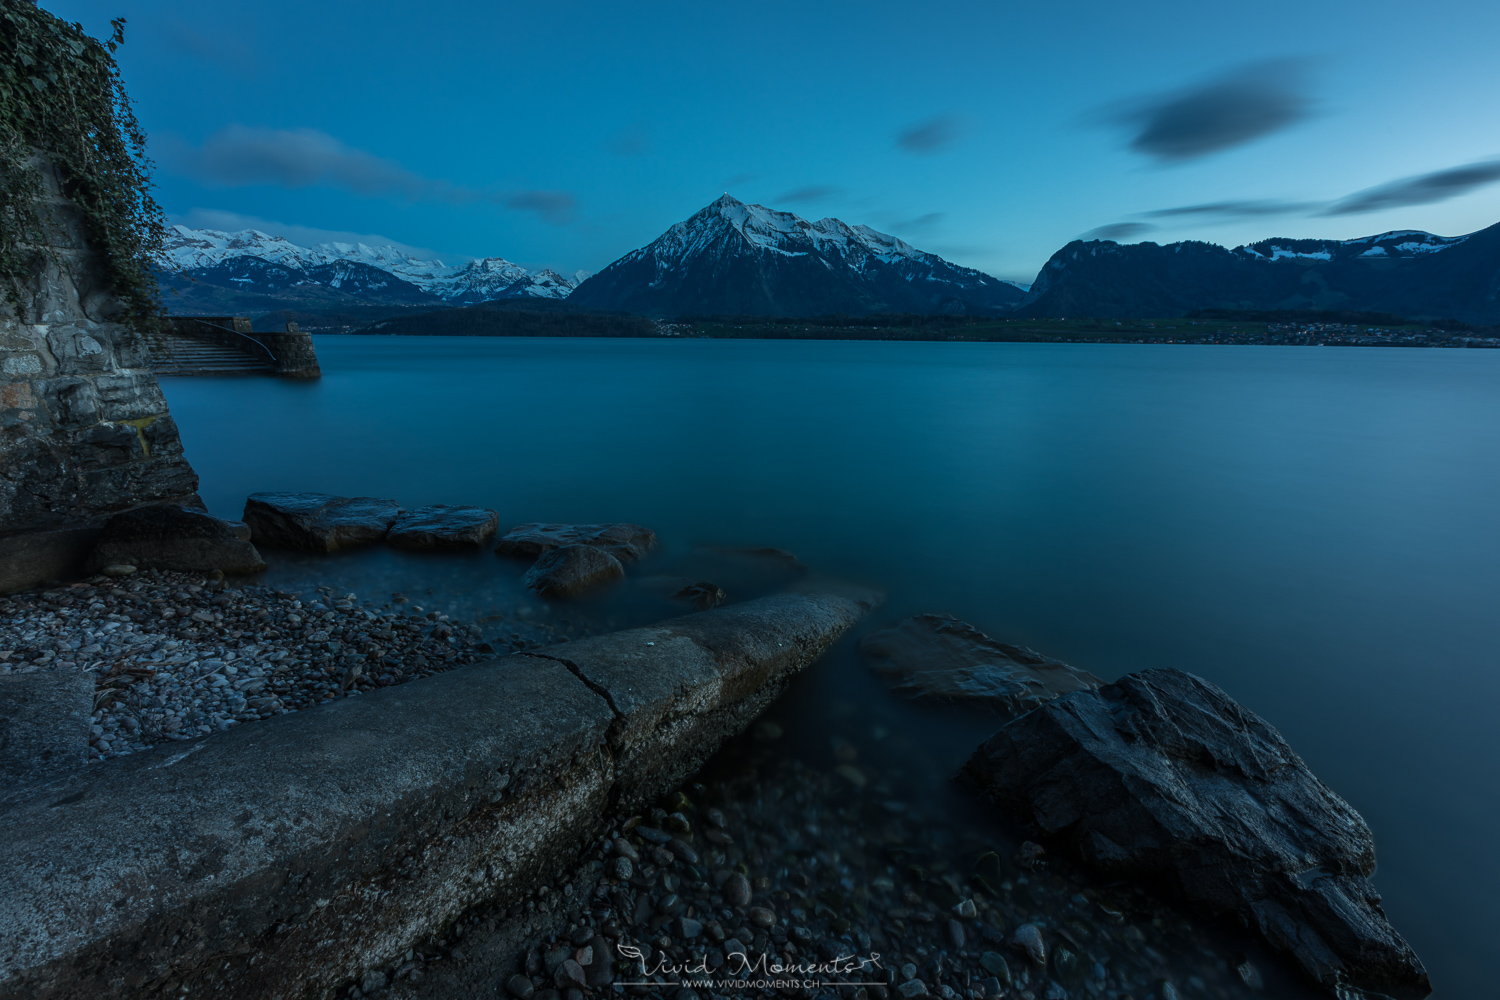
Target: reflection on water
[(1313, 530)]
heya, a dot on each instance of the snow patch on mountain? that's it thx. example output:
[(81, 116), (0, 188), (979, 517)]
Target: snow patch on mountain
[(471, 281)]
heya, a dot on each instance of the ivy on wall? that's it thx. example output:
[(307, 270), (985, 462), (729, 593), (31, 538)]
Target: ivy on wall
[(61, 94)]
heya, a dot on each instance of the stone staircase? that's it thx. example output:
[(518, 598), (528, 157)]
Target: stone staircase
[(173, 354)]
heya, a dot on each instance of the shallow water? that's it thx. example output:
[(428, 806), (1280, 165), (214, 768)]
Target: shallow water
[(1312, 529)]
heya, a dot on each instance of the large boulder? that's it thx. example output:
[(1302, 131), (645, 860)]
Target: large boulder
[(626, 542), (939, 658), (572, 569), (171, 537), (1161, 776), (319, 522), (443, 527)]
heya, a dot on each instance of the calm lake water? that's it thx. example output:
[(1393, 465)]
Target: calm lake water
[(1315, 530)]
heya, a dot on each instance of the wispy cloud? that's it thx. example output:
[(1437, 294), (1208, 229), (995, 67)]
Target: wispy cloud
[(1236, 209), (1118, 231), (815, 192), (1440, 185), (239, 156), (739, 179), (921, 223), (930, 136), (632, 141), (1244, 105)]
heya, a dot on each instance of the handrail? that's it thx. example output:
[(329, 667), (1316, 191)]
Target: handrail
[(178, 323)]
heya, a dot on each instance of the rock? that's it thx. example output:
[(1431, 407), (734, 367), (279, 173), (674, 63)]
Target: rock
[(1162, 776), (995, 964), (443, 527), (171, 537), (372, 982), (690, 928), (760, 916), (701, 595), (737, 890), (118, 570), (626, 542), (44, 724), (622, 869), (520, 987), (319, 522), (601, 971), (939, 658), (912, 988), (1028, 937), (956, 934), (571, 570)]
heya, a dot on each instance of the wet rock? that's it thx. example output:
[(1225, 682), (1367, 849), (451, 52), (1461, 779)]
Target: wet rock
[(622, 869), (443, 527), (737, 890), (173, 538), (1163, 776), (1028, 937), (319, 522), (601, 971), (994, 963), (702, 595), (520, 987), (912, 988), (626, 542), (572, 570), (939, 658)]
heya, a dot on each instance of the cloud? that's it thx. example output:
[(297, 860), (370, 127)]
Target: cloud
[(240, 156), (555, 207), (930, 136), (306, 236), (739, 179), (1118, 231), (1235, 209), (1244, 105), (631, 141), (1440, 185), (921, 222), (815, 192)]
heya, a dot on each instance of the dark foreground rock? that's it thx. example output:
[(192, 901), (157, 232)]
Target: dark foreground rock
[(44, 724), (626, 542), (320, 522), (702, 595), (571, 570), (939, 658), (170, 537), (443, 527), (1162, 776)]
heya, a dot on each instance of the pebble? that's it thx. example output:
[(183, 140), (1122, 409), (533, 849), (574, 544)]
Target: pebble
[(176, 656), (1028, 937), (912, 988), (737, 890)]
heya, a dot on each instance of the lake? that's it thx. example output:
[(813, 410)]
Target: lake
[(1313, 529)]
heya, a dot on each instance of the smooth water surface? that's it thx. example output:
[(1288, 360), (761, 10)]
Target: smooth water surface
[(1313, 529)]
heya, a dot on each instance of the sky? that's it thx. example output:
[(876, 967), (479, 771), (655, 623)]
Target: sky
[(564, 135)]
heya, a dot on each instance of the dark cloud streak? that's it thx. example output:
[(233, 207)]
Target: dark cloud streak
[(1426, 189), (930, 136), (1118, 231), (1235, 209), (1240, 107), (814, 192)]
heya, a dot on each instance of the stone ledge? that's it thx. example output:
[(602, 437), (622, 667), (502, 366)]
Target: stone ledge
[(285, 857)]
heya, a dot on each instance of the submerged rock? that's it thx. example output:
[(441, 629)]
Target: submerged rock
[(1162, 776), (625, 542), (443, 527), (320, 522), (170, 537), (702, 595), (572, 569), (939, 658)]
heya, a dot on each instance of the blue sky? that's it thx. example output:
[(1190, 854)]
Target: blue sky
[(566, 134)]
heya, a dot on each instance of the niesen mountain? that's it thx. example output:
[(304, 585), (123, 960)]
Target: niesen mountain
[(250, 273), (733, 259), (1407, 273)]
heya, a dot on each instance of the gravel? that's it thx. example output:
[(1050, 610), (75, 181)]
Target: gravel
[(176, 656)]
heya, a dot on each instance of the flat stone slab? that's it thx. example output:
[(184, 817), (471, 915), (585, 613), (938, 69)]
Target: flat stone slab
[(570, 570), (319, 522), (626, 542), (170, 537), (939, 658), (288, 857), (1162, 776), (44, 723), (443, 527)]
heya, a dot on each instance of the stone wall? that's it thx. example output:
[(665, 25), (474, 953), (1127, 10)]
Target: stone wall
[(84, 428)]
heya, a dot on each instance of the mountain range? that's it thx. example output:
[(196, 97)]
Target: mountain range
[(1407, 273), (735, 259)]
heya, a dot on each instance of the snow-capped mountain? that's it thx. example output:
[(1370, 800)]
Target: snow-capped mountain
[(205, 254), (1408, 273), (738, 259)]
